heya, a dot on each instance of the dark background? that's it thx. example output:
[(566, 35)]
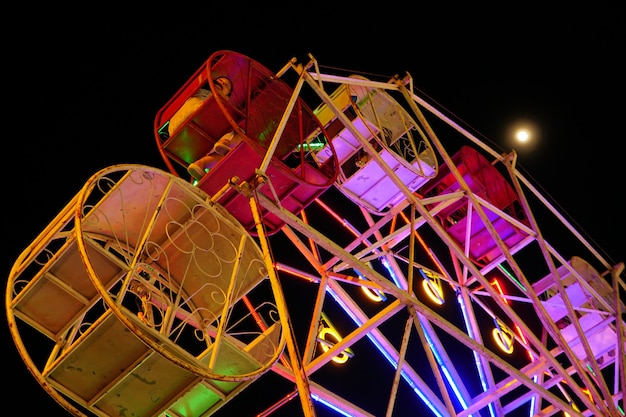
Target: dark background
[(84, 85)]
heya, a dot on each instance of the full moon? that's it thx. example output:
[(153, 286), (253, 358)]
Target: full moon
[(522, 135)]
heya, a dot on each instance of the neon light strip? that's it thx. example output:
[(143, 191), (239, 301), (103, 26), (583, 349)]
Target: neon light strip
[(279, 404), (533, 399), (479, 368), (513, 278), (433, 291), (371, 293), (405, 376), (343, 356), (349, 227), (399, 284), (394, 277), (329, 405), (440, 362), (384, 352), (521, 335), (255, 315), (496, 284), (503, 339), (428, 250), (445, 371)]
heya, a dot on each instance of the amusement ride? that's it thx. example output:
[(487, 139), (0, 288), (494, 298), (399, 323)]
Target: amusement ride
[(355, 252)]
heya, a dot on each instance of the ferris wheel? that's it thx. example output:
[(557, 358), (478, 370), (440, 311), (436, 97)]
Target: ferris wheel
[(354, 252)]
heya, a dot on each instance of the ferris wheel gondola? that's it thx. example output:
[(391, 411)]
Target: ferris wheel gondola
[(396, 140), (270, 119)]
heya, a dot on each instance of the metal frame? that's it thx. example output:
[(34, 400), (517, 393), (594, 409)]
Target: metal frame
[(545, 340)]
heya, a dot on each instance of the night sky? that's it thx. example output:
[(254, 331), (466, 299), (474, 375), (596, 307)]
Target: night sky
[(83, 94)]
